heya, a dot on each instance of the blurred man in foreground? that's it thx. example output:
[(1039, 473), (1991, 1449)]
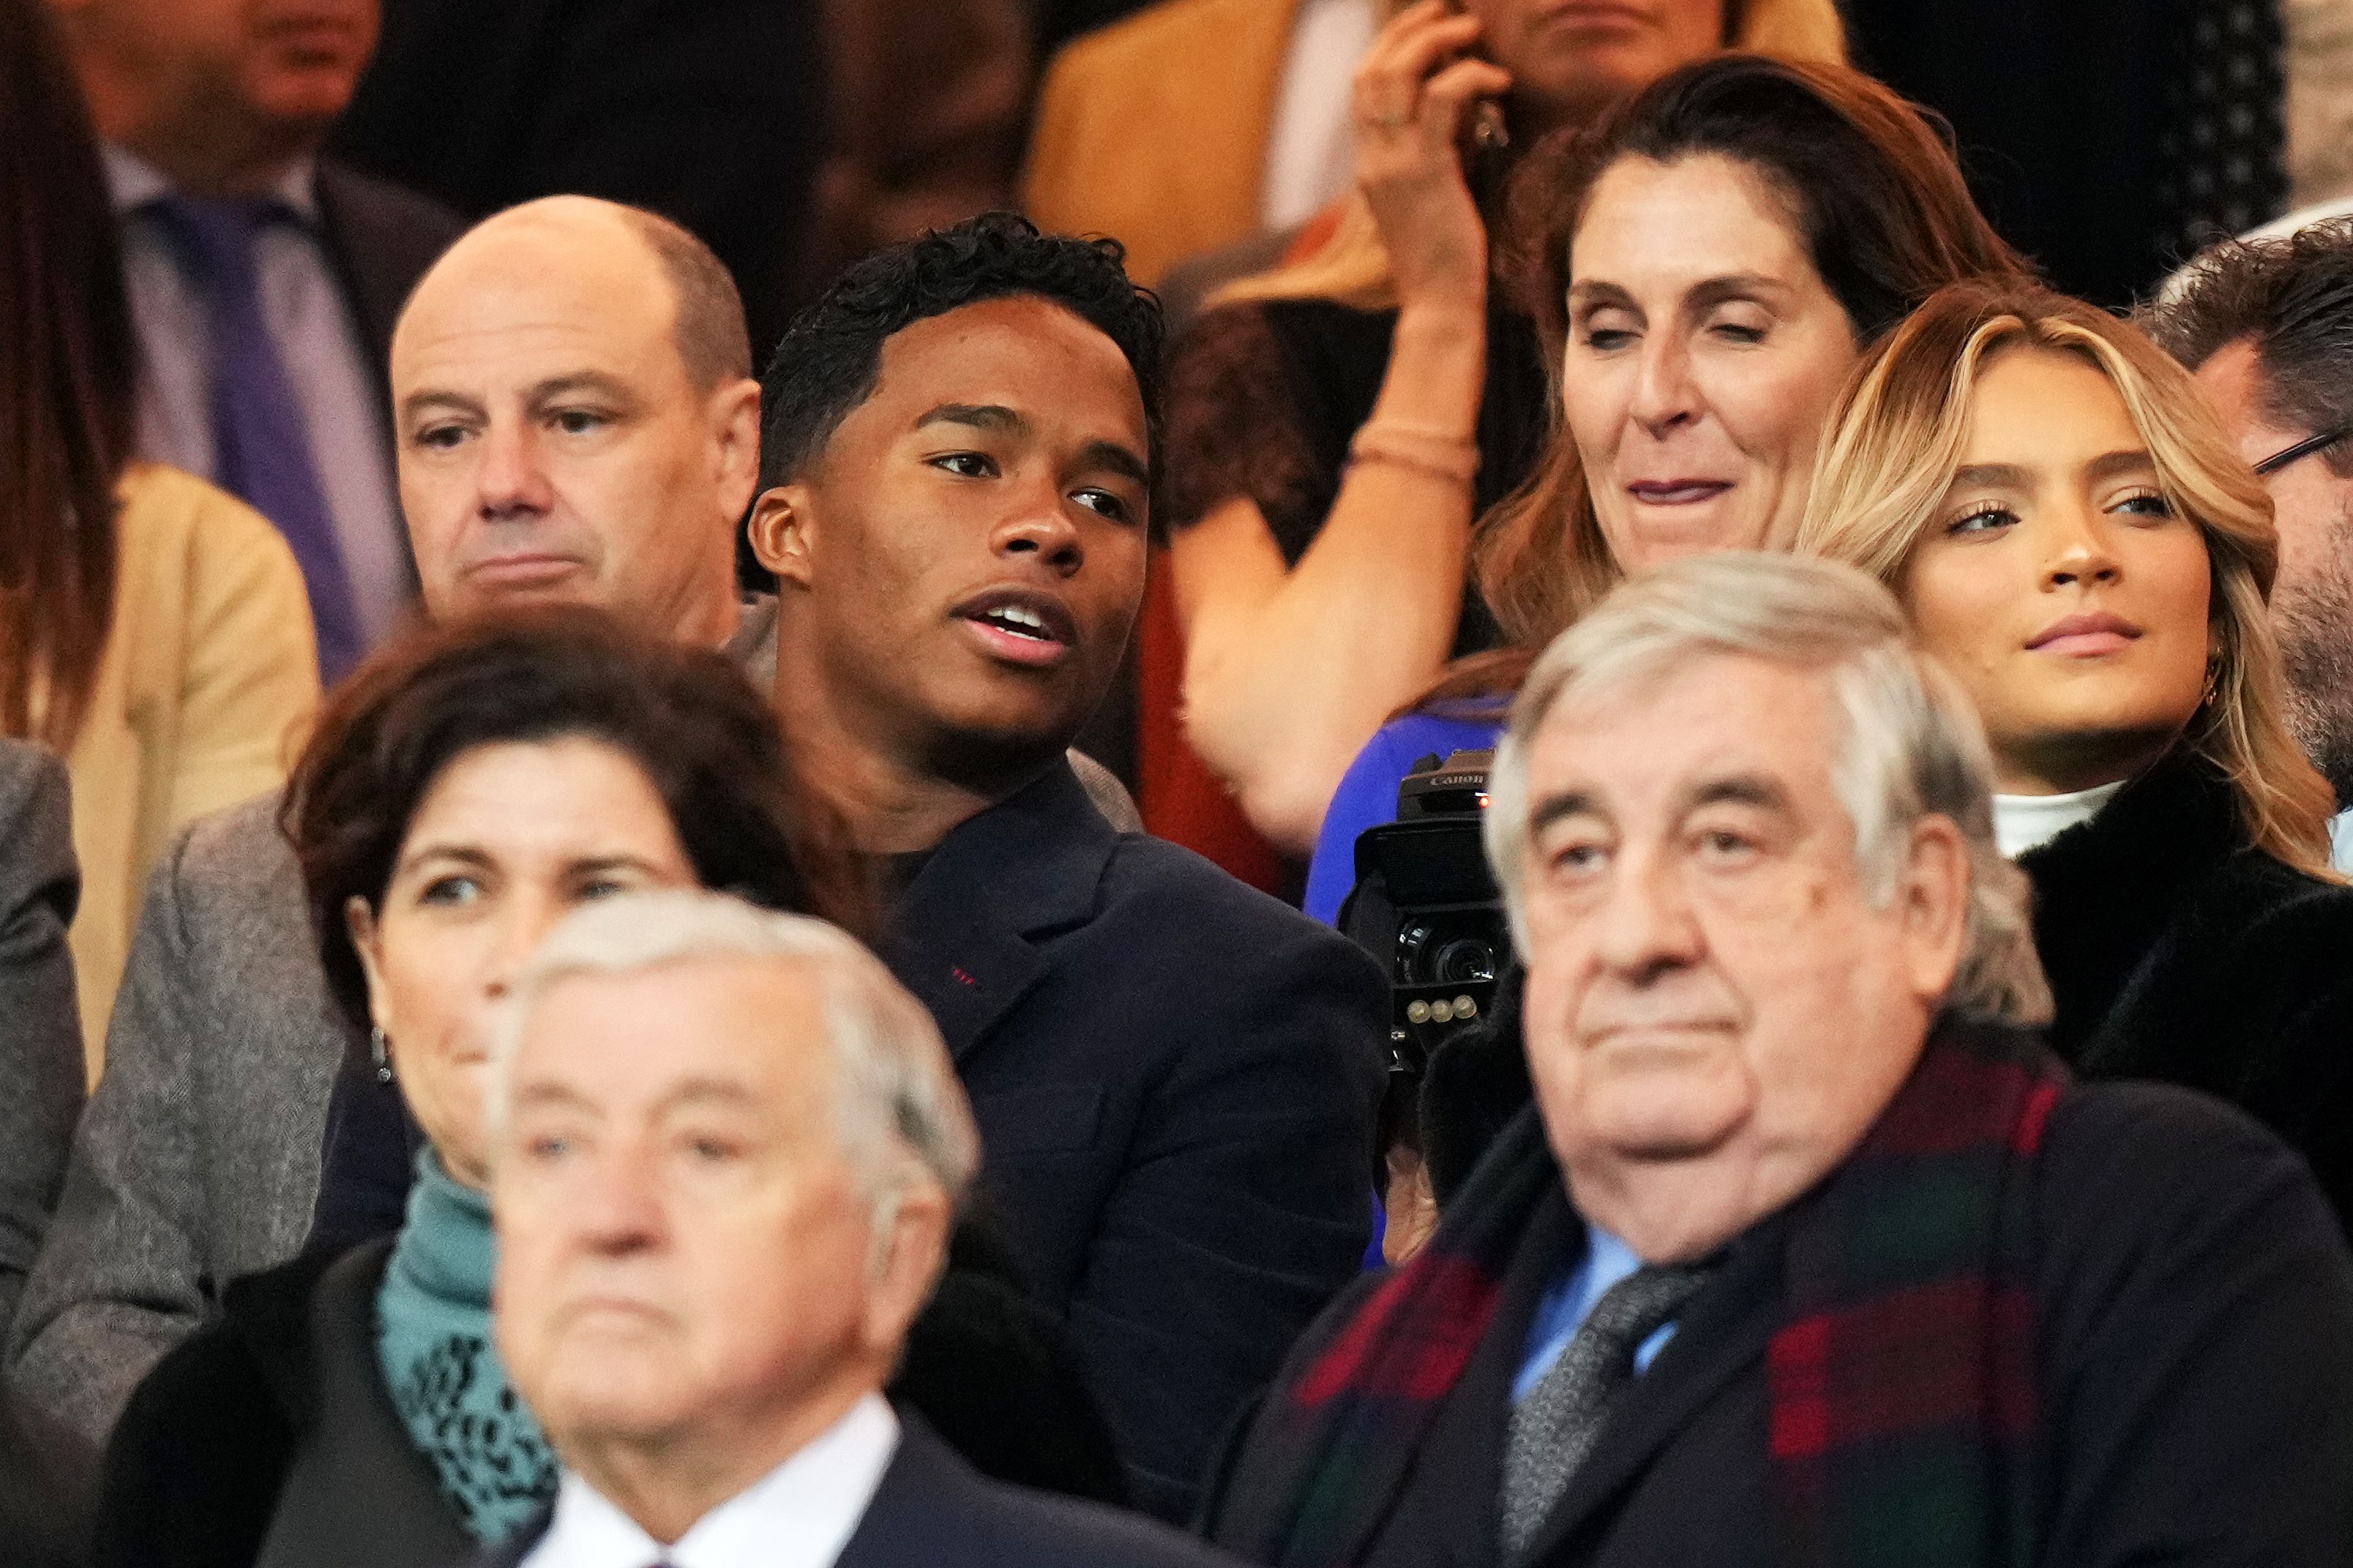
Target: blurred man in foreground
[(709, 1255)]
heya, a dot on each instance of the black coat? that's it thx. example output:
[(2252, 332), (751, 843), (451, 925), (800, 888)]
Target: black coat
[(932, 1510), (2195, 1312), (2178, 951), (266, 1437), (1174, 1078)]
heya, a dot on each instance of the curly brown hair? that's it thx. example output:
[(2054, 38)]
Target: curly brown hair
[(706, 741)]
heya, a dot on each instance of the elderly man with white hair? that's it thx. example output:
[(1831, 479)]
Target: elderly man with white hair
[(710, 1253), (1808, 1251)]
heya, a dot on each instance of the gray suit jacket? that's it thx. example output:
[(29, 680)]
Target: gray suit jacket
[(198, 1157), (40, 1031)]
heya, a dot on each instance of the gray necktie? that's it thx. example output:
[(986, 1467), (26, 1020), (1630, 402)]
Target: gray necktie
[(1555, 1426)]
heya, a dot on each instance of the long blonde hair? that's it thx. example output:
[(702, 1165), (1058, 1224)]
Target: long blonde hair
[(1899, 438), (1352, 265)]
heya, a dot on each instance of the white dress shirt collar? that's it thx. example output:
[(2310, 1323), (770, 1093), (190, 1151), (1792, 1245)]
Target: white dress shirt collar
[(799, 1515), (133, 181)]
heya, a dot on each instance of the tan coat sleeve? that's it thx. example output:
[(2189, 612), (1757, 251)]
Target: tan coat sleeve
[(208, 683)]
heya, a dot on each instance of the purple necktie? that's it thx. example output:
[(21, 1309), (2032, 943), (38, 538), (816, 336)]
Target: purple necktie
[(261, 443)]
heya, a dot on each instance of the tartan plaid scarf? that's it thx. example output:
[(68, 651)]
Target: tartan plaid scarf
[(1903, 1385)]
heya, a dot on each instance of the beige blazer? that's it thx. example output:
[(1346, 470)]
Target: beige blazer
[(1153, 130), (206, 686)]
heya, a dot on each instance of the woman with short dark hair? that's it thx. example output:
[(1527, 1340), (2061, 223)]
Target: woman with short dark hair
[(463, 791)]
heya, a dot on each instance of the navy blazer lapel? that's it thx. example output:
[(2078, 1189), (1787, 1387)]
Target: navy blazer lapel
[(913, 1515), (1723, 1335), (961, 938)]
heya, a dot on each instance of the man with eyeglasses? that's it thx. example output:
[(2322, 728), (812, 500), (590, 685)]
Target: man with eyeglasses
[(2267, 327)]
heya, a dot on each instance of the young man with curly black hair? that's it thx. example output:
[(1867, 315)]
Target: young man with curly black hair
[(1174, 1076)]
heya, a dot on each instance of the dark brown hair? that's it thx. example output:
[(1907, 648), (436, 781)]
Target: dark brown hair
[(69, 377), (1872, 189), (707, 742), (2292, 298)]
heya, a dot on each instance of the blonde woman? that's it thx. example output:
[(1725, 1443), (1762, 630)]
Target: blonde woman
[(1335, 428), (2060, 514)]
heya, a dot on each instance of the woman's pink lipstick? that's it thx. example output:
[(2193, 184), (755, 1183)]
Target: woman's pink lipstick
[(1677, 492), (2085, 636)]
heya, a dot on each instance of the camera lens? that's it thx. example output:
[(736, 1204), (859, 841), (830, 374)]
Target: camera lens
[(1464, 960)]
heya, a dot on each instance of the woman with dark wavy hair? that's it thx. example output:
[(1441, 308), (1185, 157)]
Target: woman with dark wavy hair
[(464, 791), (1704, 267)]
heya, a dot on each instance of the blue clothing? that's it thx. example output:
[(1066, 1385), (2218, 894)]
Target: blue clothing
[(2340, 842), (1369, 793), (334, 377), (1568, 1303), (433, 1344)]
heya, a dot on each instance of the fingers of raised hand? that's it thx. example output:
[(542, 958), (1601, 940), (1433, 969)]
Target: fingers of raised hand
[(1446, 95), (1459, 83), (1388, 79)]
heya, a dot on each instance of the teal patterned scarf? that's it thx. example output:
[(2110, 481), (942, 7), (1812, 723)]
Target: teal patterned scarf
[(433, 1341)]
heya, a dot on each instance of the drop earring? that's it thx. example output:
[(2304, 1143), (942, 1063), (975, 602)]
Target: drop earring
[(380, 1048)]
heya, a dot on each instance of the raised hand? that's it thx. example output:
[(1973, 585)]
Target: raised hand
[(1415, 89)]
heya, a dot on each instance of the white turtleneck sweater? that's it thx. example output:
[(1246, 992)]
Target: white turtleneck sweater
[(2024, 822)]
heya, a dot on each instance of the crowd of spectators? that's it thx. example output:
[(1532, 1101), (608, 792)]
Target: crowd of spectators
[(575, 988)]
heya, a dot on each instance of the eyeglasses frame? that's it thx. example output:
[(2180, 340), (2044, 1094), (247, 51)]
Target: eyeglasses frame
[(2303, 449)]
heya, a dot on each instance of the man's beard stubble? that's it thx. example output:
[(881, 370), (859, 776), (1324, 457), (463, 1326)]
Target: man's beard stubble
[(2316, 636)]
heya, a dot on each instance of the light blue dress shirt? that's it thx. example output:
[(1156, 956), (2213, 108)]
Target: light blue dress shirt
[(1568, 1303), (332, 370), (2340, 842)]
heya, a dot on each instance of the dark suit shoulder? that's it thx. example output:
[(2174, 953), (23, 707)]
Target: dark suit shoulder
[(935, 1508), (36, 817), (2132, 1172), (2195, 1301), (1194, 903), (385, 211), (192, 1474)]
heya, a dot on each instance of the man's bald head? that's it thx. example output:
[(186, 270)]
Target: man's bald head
[(577, 418), (708, 323)]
